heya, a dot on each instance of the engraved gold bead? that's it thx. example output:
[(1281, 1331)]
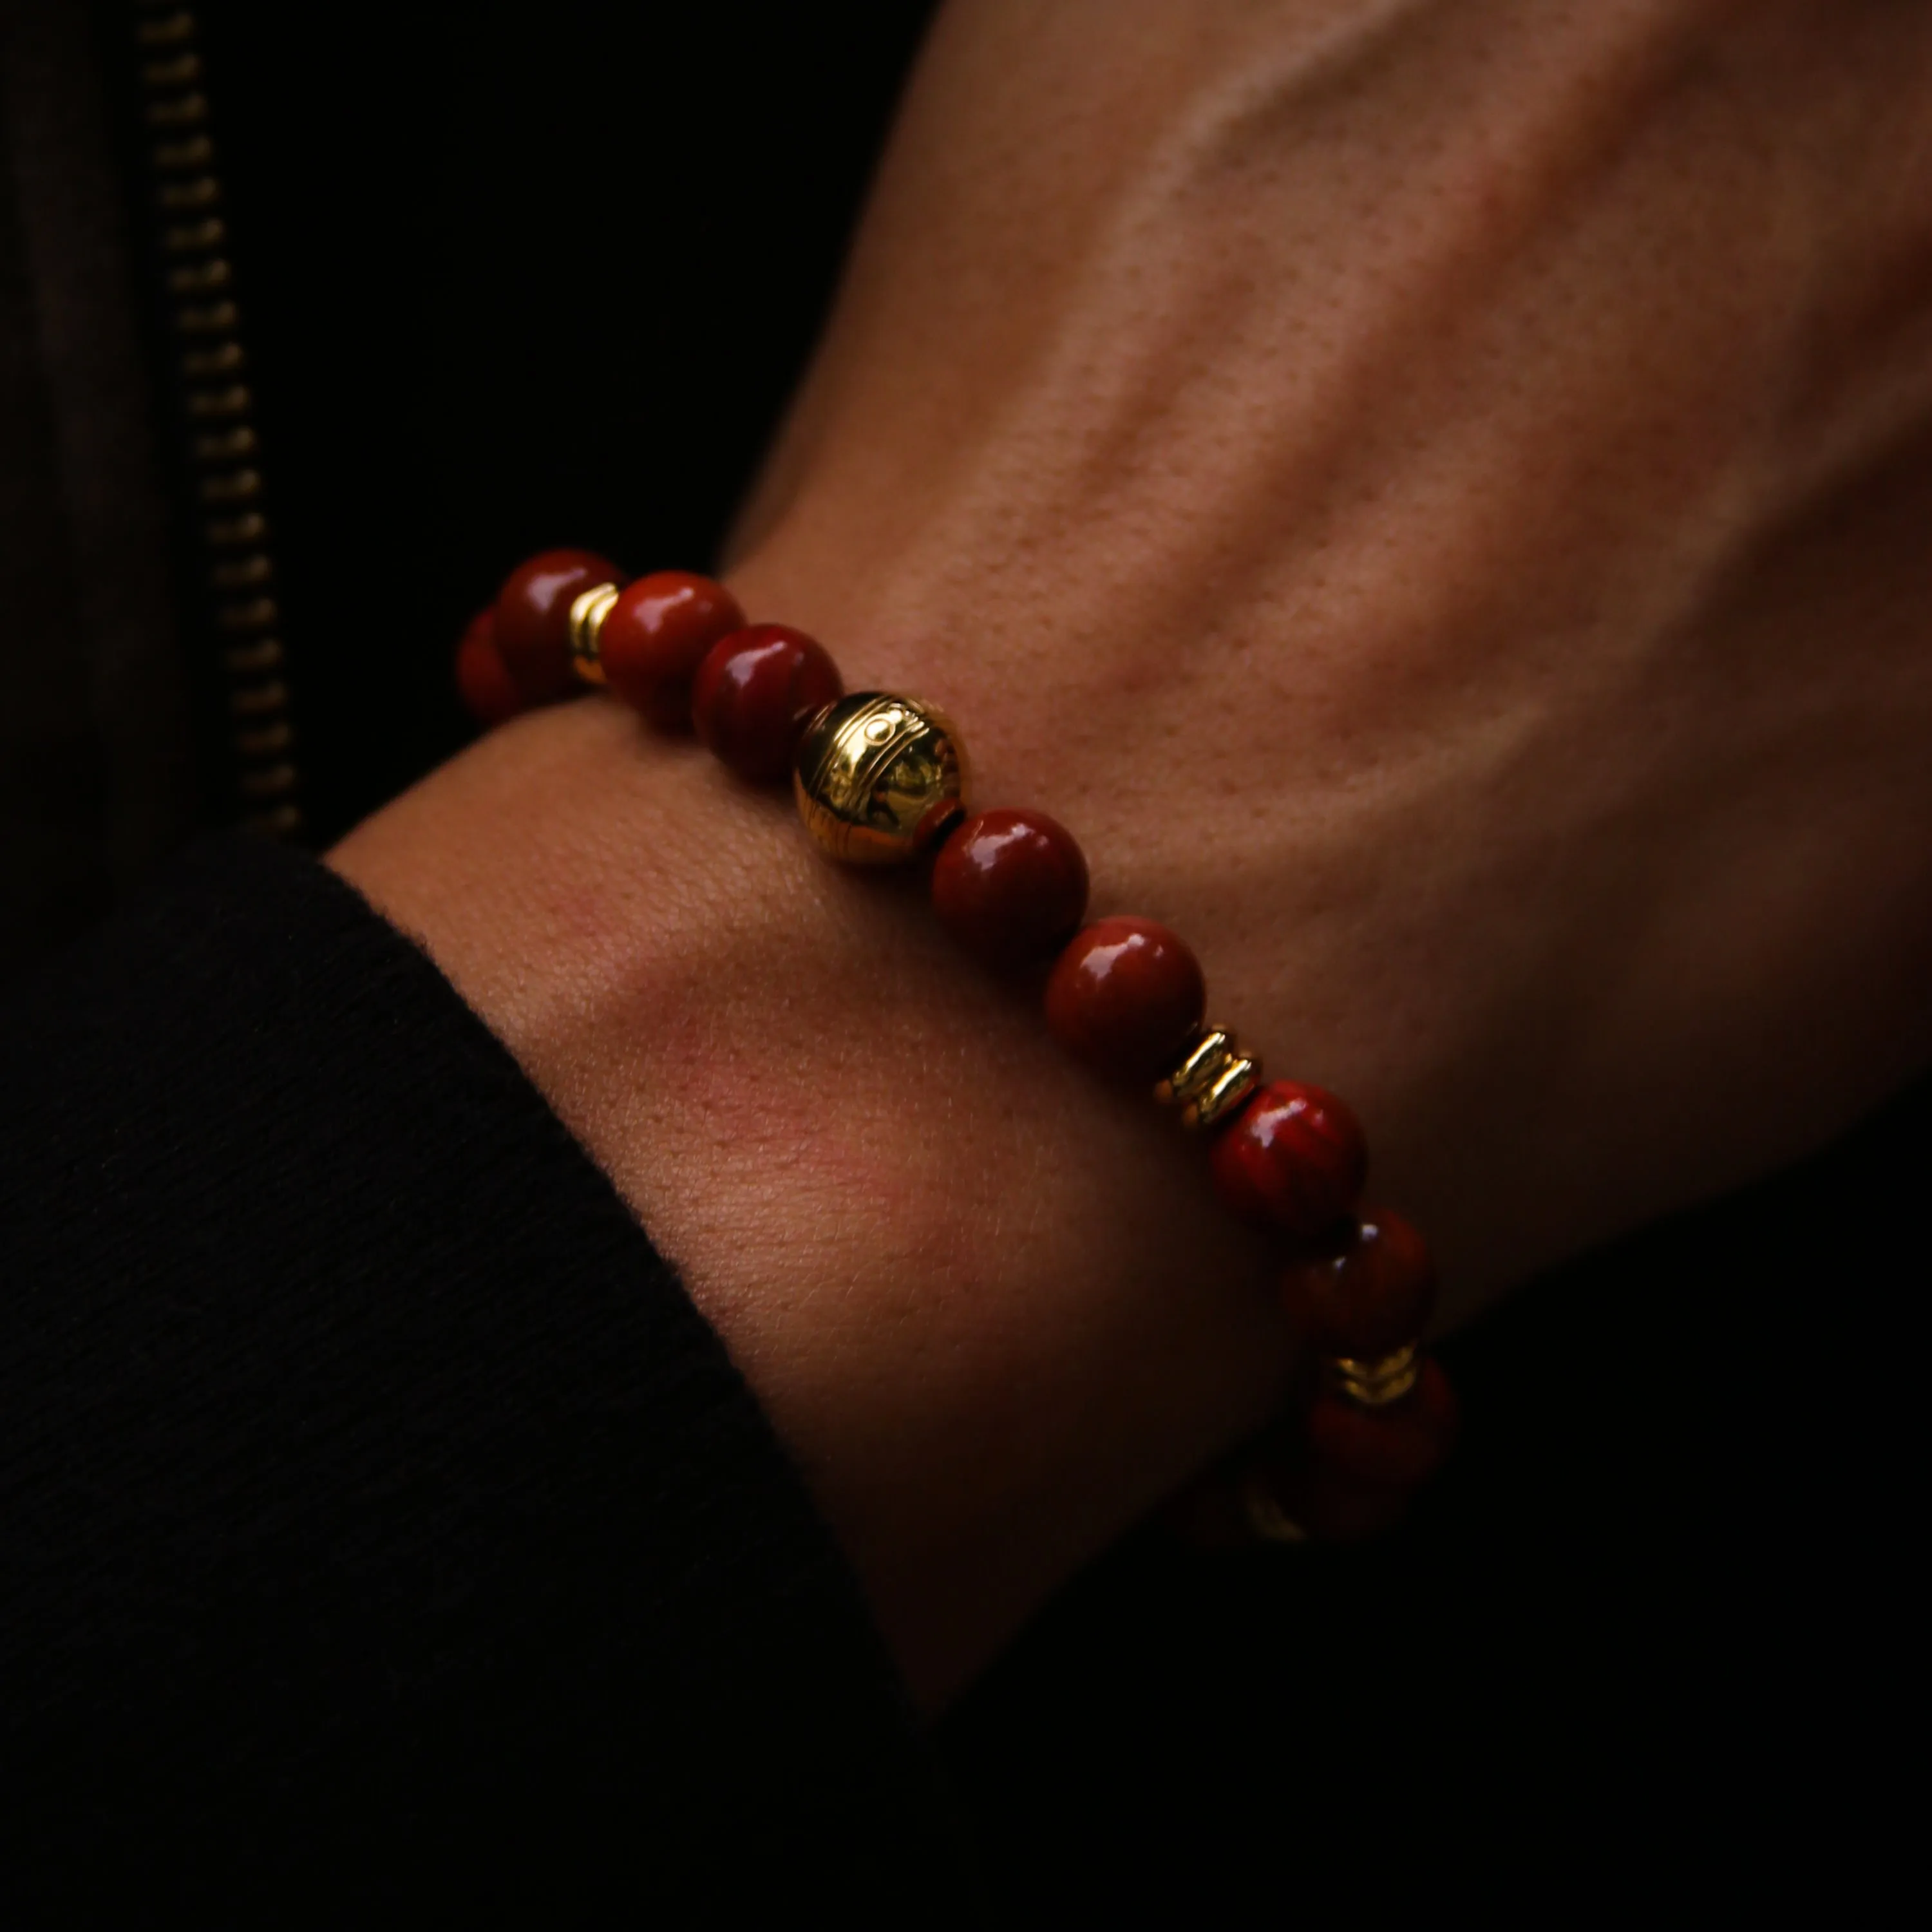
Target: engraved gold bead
[(588, 609), (1375, 1384), (878, 778), (1212, 1077)]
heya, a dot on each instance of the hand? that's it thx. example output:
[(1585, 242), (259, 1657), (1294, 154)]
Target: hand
[(1436, 500)]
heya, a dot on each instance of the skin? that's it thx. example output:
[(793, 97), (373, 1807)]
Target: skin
[(1436, 497)]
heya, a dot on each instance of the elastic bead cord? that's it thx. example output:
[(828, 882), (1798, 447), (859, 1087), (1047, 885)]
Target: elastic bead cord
[(880, 778)]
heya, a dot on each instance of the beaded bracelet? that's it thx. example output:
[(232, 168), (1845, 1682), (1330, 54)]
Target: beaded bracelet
[(881, 779)]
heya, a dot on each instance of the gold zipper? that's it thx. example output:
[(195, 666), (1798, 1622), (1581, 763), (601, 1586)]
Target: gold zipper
[(233, 552)]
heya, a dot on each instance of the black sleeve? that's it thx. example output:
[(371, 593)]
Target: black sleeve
[(378, 1520)]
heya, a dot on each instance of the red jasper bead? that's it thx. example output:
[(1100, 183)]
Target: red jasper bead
[(533, 618), (1370, 1294), (654, 637), (1400, 1447), (755, 691), (1124, 995), (1010, 887), (1294, 1157), (482, 680)]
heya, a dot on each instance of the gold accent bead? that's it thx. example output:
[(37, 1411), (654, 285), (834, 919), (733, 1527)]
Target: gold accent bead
[(1213, 1077), (588, 609), (1375, 1384), (879, 778)]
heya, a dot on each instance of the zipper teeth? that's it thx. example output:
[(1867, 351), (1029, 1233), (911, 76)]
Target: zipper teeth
[(234, 554)]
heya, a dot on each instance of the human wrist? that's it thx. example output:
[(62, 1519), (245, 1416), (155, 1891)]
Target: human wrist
[(989, 1313)]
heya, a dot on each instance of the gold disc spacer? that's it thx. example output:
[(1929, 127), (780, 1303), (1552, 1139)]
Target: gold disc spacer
[(879, 778), (1374, 1384), (588, 609), (1212, 1077)]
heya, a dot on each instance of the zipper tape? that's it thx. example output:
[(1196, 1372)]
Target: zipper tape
[(234, 555)]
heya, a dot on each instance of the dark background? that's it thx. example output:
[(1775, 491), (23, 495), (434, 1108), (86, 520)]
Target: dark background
[(518, 276), (514, 277)]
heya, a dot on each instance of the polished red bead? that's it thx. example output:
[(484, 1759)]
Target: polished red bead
[(1347, 1473), (654, 637), (1011, 887), (755, 691), (1368, 1293), (1293, 1157), (533, 620), (482, 680), (1124, 995), (1398, 1447)]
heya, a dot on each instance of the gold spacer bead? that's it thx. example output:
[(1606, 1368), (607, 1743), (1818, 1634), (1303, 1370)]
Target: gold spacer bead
[(878, 778), (588, 609), (1374, 1384), (1213, 1077)]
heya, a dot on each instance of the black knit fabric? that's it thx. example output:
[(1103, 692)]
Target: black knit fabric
[(380, 1522)]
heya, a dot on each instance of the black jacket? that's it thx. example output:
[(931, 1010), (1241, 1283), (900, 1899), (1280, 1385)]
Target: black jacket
[(377, 1520)]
